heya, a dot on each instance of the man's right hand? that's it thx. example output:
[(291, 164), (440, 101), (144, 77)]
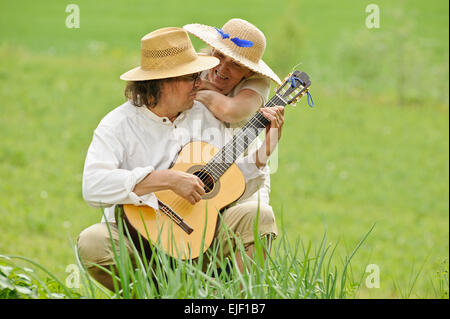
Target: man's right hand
[(186, 185)]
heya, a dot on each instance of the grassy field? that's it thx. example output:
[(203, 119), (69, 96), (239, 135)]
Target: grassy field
[(373, 150)]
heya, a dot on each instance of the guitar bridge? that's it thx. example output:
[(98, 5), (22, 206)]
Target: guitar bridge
[(175, 217)]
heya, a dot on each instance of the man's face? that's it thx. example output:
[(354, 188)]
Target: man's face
[(227, 74), (182, 90)]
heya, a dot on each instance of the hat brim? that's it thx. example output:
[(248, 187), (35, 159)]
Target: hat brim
[(202, 63), (210, 36)]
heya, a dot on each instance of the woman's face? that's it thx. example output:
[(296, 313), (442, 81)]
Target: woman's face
[(227, 74)]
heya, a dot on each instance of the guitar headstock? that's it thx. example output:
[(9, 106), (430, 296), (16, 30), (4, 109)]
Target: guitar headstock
[(294, 87)]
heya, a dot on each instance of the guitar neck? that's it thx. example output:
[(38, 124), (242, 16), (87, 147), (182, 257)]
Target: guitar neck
[(218, 165)]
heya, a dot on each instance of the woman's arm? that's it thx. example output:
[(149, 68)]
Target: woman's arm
[(231, 109)]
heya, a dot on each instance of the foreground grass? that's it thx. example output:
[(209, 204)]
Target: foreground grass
[(290, 272)]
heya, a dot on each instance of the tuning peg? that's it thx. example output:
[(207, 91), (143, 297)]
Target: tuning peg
[(284, 81), (287, 77), (295, 100)]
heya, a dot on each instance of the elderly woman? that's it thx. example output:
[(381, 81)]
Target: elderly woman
[(236, 88)]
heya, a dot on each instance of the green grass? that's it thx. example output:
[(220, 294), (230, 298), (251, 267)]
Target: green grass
[(374, 150), (291, 271)]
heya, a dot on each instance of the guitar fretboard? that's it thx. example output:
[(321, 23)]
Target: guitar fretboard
[(217, 166)]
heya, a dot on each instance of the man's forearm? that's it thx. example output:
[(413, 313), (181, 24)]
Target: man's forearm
[(153, 182), (186, 185)]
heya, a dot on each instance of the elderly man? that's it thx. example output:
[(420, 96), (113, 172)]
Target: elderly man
[(134, 146)]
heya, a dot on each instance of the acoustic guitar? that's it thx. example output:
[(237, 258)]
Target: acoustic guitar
[(184, 230)]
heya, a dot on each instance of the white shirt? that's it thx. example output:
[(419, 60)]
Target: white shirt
[(130, 142)]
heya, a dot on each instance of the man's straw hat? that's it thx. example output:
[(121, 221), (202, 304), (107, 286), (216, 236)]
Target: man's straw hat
[(238, 39), (167, 53)]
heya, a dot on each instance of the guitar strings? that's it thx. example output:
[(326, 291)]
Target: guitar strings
[(214, 165), (215, 168)]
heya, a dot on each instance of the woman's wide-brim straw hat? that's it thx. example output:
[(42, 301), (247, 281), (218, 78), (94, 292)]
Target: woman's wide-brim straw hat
[(168, 53), (238, 39)]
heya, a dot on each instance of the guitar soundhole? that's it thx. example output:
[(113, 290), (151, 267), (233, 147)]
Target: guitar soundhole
[(206, 179)]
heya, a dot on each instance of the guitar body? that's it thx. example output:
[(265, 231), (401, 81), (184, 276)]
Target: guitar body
[(161, 230)]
